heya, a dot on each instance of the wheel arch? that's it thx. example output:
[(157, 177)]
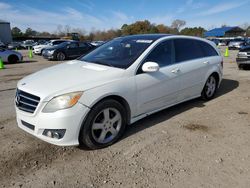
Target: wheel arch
[(119, 99), (12, 55)]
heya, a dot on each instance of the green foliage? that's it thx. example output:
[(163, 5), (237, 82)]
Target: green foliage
[(248, 32), (30, 32), (138, 27), (195, 31), (16, 32)]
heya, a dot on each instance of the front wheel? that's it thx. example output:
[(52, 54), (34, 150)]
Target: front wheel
[(104, 125), (13, 59), (60, 56), (210, 88)]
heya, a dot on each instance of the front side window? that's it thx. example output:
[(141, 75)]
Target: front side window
[(73, 45), (120, 52), (163, 54), (187, 49)]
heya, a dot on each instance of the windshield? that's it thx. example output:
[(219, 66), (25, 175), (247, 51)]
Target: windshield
[(120, 52)]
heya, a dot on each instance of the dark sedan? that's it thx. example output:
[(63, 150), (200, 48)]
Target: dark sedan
[(67, 50), (243, 57)]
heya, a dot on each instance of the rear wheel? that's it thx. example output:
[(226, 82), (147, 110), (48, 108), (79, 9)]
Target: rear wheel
[(13, 59), (60, 56), (104, 125), (210, 88)]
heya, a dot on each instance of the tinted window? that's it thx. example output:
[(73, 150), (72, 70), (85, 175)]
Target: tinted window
[(187, 49), (83, 45), (162, 54), (208, 50), (57, 42), (73, 45)]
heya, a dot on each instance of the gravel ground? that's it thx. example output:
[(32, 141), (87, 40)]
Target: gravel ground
[(194, 144)]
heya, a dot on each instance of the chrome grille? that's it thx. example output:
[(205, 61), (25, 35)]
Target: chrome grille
[(26, 101)]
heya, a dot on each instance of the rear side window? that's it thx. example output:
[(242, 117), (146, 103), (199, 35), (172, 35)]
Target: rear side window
[(83, 45), (187, 49), (208, 50)]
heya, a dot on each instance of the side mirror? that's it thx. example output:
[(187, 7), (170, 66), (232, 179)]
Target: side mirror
[(150, 67)]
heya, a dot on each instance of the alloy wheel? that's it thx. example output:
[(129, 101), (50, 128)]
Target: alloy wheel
[(106, 125)]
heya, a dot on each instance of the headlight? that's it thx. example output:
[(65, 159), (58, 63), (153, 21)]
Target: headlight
[(51, 51), (62, 102)]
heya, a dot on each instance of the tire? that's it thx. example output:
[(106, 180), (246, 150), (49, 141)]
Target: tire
[(60, 56), (13, 59), (210, 88), (104, 125), (240, 67), (41, 52)]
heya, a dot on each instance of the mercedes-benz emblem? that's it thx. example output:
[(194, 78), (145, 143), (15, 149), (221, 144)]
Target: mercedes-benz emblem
[(17, 99)]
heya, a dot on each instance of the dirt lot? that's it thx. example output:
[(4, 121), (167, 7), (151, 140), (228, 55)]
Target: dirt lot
[(195, 144)]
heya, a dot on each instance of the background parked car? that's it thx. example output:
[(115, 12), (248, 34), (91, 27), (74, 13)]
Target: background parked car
[(14, 45), (97, 43), (216, 41), (38, 49), (243, 57), (235, 44), (10, 56), (67, 50), (27, 44), (222, 43), (2, 45)]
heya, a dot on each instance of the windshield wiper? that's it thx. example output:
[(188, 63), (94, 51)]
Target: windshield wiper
[(101, 63)]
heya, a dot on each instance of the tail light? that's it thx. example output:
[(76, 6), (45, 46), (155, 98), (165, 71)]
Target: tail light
[(221, 64)]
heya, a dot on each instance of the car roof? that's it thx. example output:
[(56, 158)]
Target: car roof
[(153, 37)]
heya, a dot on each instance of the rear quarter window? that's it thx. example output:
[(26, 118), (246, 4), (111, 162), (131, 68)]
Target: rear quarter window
[(207, 49)]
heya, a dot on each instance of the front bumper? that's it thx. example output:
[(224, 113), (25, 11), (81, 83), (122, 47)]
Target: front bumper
[(241, 61), (36, 51), (69, 119), (47, 55)]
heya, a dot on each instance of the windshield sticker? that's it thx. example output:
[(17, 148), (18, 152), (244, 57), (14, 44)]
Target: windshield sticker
[(144, 41)]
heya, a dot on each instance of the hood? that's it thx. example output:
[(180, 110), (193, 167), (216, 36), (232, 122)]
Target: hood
[(41, 46), (68, 77), (53, 47)]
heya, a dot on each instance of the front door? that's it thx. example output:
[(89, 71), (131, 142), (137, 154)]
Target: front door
[(158, 89)]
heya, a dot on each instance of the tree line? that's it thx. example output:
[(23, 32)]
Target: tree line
[(138, 27)]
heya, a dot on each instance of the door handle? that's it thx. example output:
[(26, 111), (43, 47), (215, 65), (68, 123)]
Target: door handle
[(206, 62), (175, 70)]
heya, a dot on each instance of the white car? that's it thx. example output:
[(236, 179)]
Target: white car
[(91, 100), (38, 49), (10, 56)]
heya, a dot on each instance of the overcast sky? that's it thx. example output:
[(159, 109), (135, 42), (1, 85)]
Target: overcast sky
[(45, 15)]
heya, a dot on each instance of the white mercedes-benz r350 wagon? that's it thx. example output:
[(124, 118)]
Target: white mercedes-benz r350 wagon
[(90, 101)]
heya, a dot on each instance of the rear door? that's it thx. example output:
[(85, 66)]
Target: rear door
[(84, 48), (192, 66)]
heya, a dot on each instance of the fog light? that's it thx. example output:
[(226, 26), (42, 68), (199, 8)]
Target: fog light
[(49, 134), (54, 133)]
